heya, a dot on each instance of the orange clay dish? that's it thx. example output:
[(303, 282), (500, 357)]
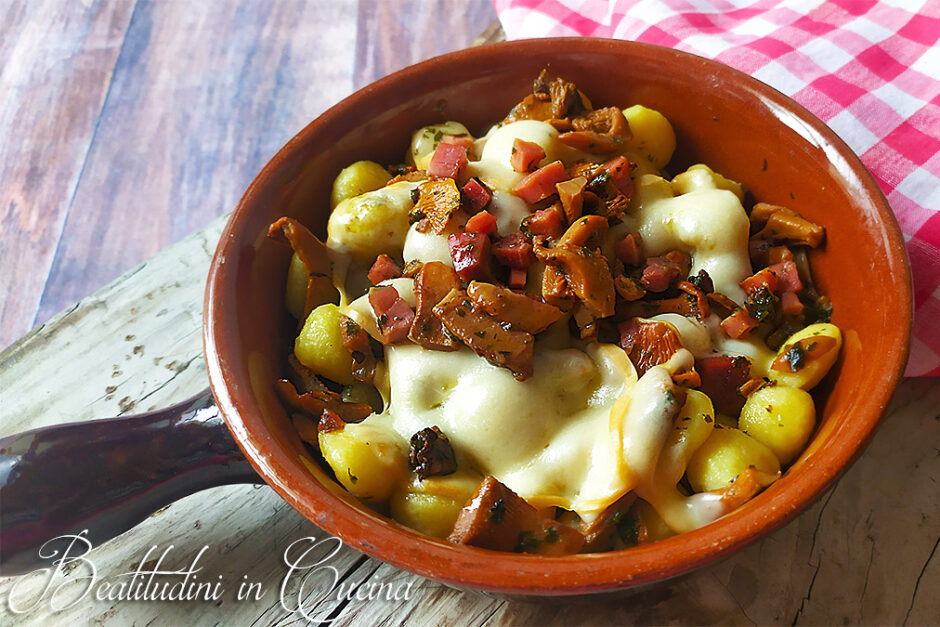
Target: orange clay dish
[(535, 341)]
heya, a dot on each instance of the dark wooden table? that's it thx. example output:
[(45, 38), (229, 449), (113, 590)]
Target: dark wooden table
[(127, 124)]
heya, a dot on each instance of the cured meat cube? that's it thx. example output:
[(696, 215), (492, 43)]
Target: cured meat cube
[(471, 255), (540, 184), (525, 155), (514, 250), (448, 161)]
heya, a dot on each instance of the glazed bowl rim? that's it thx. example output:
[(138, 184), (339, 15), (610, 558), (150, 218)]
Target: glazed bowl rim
[(520, 573)]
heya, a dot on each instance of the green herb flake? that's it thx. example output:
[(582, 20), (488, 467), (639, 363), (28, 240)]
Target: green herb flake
[(416, 215), (551, 534), (760, 304), (628, 528), (497, 511), (527, 541), (796, 357)]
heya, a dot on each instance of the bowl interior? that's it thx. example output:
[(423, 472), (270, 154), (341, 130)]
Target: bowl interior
[(736, 125)]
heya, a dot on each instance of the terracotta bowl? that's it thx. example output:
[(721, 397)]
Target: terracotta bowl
[(739, 126)]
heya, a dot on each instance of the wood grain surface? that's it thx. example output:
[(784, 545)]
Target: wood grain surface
[(127, 124), (864, 554)]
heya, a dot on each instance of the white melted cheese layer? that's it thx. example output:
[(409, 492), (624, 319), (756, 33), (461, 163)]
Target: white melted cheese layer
[(582, 431), (546, 438), (708, 222), (704, 339)]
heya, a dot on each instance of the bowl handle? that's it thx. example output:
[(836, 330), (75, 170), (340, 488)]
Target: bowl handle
[(100, 478)]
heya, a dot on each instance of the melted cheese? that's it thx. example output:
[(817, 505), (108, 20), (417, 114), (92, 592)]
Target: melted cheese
[(495, 168), (642, 420), (655, 465), (509, 210), (427, 247), (582, 431), (703, 339), (535, 435), (708, 222)]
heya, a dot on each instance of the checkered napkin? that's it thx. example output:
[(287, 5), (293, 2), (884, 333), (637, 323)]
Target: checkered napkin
[(870, 70)]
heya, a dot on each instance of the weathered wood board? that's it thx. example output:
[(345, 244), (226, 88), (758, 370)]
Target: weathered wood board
[(865, 554)]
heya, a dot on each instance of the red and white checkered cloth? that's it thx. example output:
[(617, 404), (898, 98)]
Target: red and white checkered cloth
[(870, 70)]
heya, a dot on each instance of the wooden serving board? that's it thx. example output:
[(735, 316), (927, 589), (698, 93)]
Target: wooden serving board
[(863, 554)]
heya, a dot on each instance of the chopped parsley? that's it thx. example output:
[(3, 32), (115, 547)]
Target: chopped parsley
[(760, 304), (796, 357)]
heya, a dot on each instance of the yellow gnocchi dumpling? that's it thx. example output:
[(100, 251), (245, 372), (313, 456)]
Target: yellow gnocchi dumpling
[(372, 223), (781, 417), (319, 345), (356, 179), (431, 505), (653, 136), (807, 356), (296, 294), (370, 462), (726, 454)]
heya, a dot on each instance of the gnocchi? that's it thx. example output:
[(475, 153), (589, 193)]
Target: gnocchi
[(319, 345), (296, 293), (653, 136), (372, 223), (432, 505), (546, 344), (425, 141), (725, 455), (807, 356), (780, 417), (357, 179), (369, 462)]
